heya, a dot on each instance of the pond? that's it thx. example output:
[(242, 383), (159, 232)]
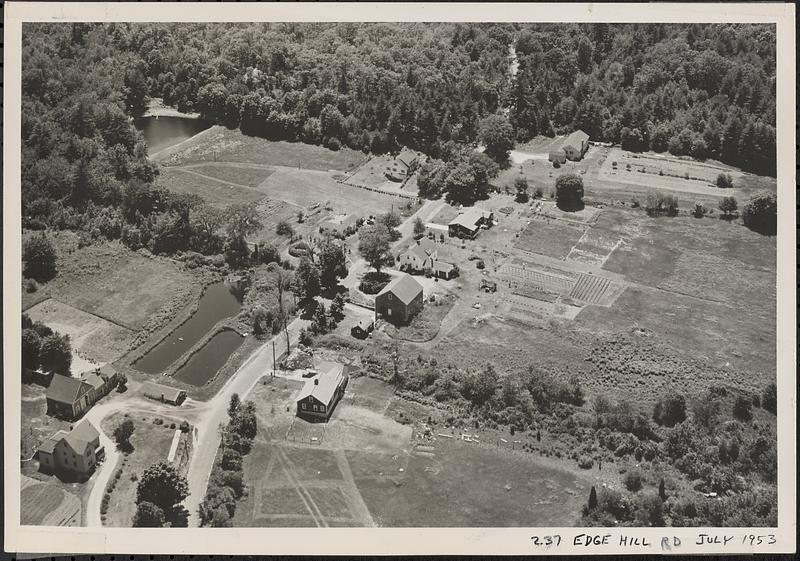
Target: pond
[(219, 301), (204, 364), (165, 131)]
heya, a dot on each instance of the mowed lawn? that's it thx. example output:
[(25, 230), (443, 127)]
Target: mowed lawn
[(151, 444), (214, 192), (305, 187), (225, 145), (458, 484), (117, 284), (242, 174)]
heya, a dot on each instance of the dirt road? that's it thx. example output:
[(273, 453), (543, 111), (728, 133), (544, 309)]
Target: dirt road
[(216, 413)]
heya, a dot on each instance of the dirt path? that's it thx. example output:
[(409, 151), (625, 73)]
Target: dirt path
[(357, 504), (288, 468)]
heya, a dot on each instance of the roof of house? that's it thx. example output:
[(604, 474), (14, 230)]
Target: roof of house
[(81, 436), (50, 444), (422, 249), (404, 287), (557, 151), (364, 324), (151, 389), (435, 226), (576, 139), (323, 385), (470, 217), (93, 379), (65, 389), (407, 156), (443, 266)]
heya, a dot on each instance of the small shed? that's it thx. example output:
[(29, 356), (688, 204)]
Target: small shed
[(362, 329), (164, 394)]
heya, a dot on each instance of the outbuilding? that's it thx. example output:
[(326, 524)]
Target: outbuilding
[(68, 397), (164, 394)]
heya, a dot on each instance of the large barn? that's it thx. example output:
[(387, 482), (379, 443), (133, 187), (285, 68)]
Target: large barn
[(573, 148), (399, 300)]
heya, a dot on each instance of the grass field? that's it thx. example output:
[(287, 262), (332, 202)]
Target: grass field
[(236, 174), (441, 488), (111, 281), (225, 145), (95, 341), (151, 444), (215, 192), (307, 187), (45, 504)]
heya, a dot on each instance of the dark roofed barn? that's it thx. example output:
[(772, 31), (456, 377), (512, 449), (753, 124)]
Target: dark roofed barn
[(399, 300), (321, 394), (68, 397)]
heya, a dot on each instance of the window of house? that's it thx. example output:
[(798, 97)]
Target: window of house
[(315, 408), (302, 406), (322, 409), (389, 296)]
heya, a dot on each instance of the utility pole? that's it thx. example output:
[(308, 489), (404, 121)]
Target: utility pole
[(274, 363)]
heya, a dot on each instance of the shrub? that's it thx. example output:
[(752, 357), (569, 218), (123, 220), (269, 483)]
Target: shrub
[(283, 228), (569, 191), (633, 480), (760, 213), (769, 399), (728, 205), (184, 426), (742, 409), (724, 181), (585, 462), (699, 210), (556, 164), (670, 410), (373, 282), (31, 286)]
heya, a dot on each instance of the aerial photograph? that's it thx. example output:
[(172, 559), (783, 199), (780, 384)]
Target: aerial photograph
[(465, 275)]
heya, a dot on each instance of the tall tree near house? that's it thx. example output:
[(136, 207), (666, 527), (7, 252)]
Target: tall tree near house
[(163, 486), (148, 515), (123, 433), (55, 354), (592, 499), (307, 280), (332, 264), (419, 227), (282, 283), (373, 245), (31, 345), (234, 405), (497, 135)]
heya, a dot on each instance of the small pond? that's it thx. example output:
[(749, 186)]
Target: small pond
[(165, 131), (204, 364), (219, 301)]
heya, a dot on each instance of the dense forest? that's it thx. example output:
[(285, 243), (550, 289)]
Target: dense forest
[(707, 91)]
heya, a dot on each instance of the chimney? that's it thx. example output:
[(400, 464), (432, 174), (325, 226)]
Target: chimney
[(316, 381)]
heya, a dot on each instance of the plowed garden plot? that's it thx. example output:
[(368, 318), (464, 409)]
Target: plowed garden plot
[(595, 246), (551, 238), (45, 504), (537, 280), (442, 491), (214, 191), (271, 212), (278, 500), (238, 174), (225, 145)]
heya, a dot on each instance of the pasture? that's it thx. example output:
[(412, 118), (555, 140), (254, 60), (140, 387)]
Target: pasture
[(194, 181), (220, 144), (121, 286)]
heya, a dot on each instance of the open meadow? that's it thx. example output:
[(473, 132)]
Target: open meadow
[(45, 504)]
